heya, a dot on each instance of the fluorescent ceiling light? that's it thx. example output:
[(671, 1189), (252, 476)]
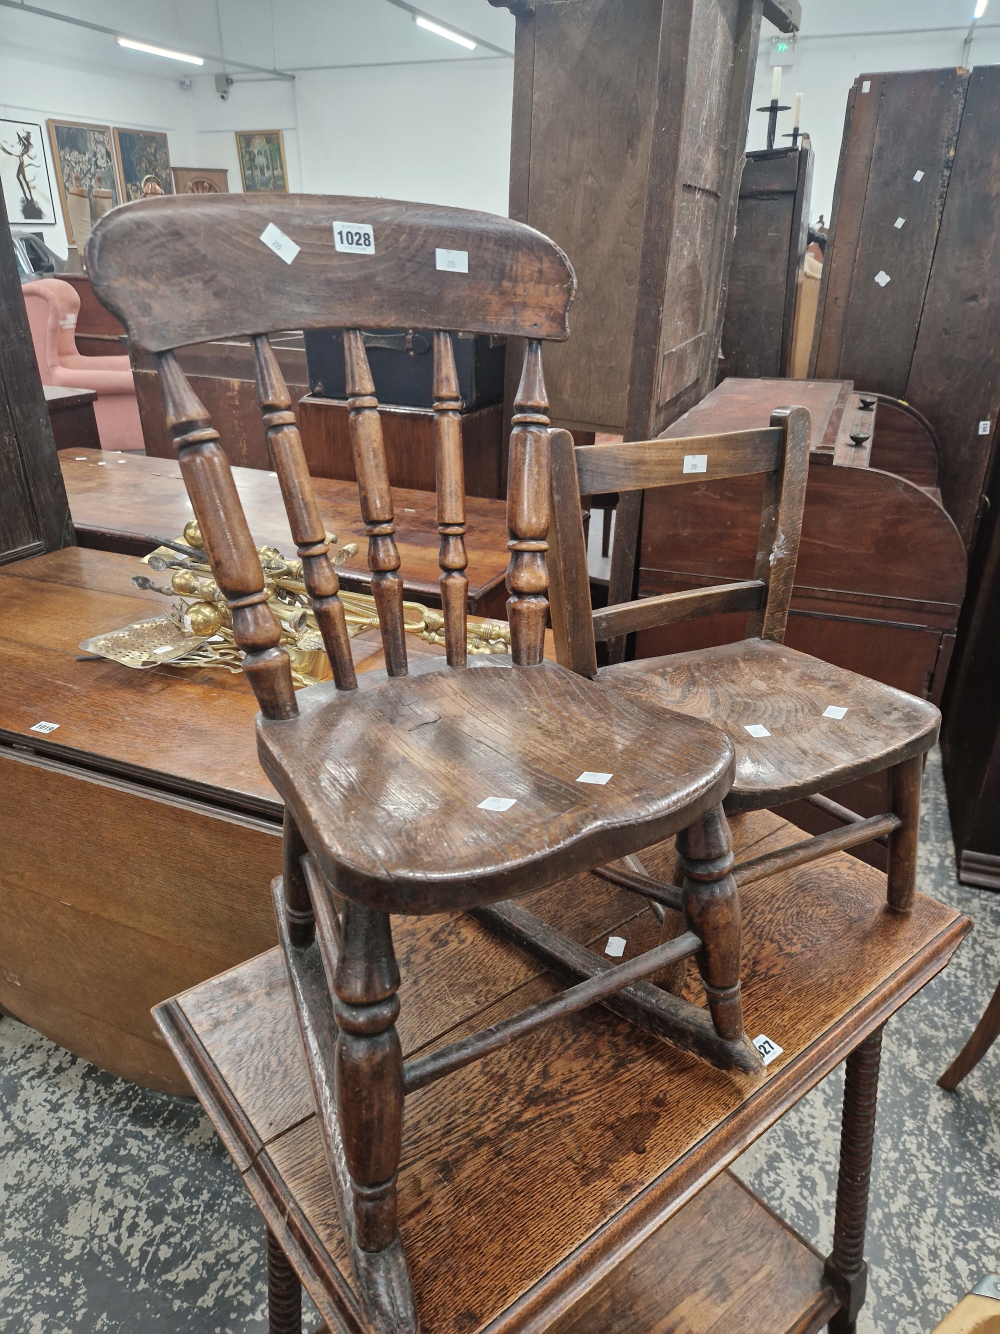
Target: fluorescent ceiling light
[(980, 8), (431, 26), (158, 51)]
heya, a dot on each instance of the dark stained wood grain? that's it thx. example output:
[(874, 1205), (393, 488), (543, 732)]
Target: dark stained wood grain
[(71, 415), (904, 442), (739, 404), (518, 280), (657, 1124)]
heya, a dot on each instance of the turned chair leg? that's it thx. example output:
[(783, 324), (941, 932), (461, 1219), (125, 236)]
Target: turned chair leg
[(284, 1291), (904, 801), (846, 1270), (983, 1037), (369, 1071), (712, 912)]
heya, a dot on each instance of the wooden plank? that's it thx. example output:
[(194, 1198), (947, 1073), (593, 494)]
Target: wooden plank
[(955, 376), (739, 404), (671, 1126), (917, 128), (643, 463), (668, 608)]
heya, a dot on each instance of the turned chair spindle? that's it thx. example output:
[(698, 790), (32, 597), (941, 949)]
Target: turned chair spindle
[(450, 499)]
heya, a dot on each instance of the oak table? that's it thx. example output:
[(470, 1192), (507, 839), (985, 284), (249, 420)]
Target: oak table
[(118, 500), (575, 1181)]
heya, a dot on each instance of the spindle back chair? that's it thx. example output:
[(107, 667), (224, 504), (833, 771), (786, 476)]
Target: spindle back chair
[(383, 776)]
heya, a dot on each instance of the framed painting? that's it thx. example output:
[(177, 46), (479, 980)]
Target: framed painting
[(200, 180), (84, 162), (262, 160), (24, 174), (143, 163)]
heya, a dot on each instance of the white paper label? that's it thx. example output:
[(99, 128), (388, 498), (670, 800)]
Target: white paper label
[(898, 223), (497, 803), (43, 727), (615, 947), (882, 278), (589, 776), (695, 463), (123, 460), (103, 463), (767, 1049), (454, 261), (164, 648), (984, 428), (79, 458), (755, 729), (918, 175), (354, 238), (866, 87), (834, 711), (283, 246)]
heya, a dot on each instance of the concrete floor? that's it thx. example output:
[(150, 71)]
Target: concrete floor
[(120, 1211)]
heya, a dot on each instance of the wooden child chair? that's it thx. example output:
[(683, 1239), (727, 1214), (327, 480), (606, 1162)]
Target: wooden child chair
[(800, 726), (458, 784)]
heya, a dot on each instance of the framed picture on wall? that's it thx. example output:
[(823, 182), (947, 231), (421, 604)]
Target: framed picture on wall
[(24, 174), (143, 163), (200, 180), (83, 158), (262, 160)]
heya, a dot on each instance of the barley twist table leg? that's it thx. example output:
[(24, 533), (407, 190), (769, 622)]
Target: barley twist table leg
[(284, 1291)]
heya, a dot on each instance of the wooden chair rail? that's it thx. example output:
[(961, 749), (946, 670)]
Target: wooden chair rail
[(640, 463), (668, 608), (658, 891), (840, 813), (811, 849), (425, 1070)]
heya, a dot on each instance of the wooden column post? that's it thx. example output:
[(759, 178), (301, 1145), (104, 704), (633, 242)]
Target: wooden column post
[(712, 912), (904, 795)]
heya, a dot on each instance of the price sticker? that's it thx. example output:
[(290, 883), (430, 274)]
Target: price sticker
[(918, 176), (695, 463), (452, 261), (283, 246), (834, 711), (898, 223), (497, 804), (984, 428), (589, 776), (767, 1048), (882, 278), (866, 87), (43, 727), (755, 729), (354, 238), (615, 947)]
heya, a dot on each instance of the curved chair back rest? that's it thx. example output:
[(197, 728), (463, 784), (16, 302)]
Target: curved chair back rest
[(190, 269), (780, 451)]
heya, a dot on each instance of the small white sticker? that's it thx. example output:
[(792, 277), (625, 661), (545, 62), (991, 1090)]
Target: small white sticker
[(755, 729), (589, 776), (123, 460), (43, 727), (103, 463), (834, 711), (615, 947), (79, 458), (918, 175), (164, 648), (406, 511), (882, 278), (768, 1050), (354, 238), (68, 323), (453, 261), (497, 804), (984, 428), (695, 463), (283, 246), (898, 223), (866, 87)]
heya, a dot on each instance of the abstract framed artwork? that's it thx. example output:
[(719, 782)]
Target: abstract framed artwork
[(24, 174), (262, 160), (200, 180), (83, 157), (143, 163)]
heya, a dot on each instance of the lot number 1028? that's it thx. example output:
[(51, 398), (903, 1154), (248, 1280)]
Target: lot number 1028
[(356, 238)]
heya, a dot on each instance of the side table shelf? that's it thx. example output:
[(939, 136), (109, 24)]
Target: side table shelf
[(606, 1207)]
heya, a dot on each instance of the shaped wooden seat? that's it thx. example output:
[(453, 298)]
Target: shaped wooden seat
[(762, 684), (385, 782), (800, 726)]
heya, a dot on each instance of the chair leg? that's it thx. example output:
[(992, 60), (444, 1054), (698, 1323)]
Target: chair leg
[(369, 1071), (904, 797), (284, 1291), (983, 1037), (712, 911), (846, 1269)]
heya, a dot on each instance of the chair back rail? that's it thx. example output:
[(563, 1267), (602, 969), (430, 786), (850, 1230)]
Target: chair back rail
[(193, 269), (780, 451)]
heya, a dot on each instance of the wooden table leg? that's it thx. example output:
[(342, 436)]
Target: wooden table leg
[(284, 1291), (846, 1269), (983, 1037)]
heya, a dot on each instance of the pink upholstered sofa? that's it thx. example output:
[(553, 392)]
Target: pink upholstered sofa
[(52, 308)]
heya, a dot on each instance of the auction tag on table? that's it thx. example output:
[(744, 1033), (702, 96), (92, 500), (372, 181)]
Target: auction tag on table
[(695, 463), (769, 1051), (882, 278), (452, 261), (898, 223), (834, 711), (283, 246), (354, 238), (755, 729), (589, 776), (918, 175), (984, 428), (497, 804), (615, 947), (43, 727)]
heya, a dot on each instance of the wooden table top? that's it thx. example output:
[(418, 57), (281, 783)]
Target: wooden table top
[(117, 500), (528, 1175), (58, 396)]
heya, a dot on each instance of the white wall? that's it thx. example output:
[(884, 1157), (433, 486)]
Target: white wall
[(826, 67)]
